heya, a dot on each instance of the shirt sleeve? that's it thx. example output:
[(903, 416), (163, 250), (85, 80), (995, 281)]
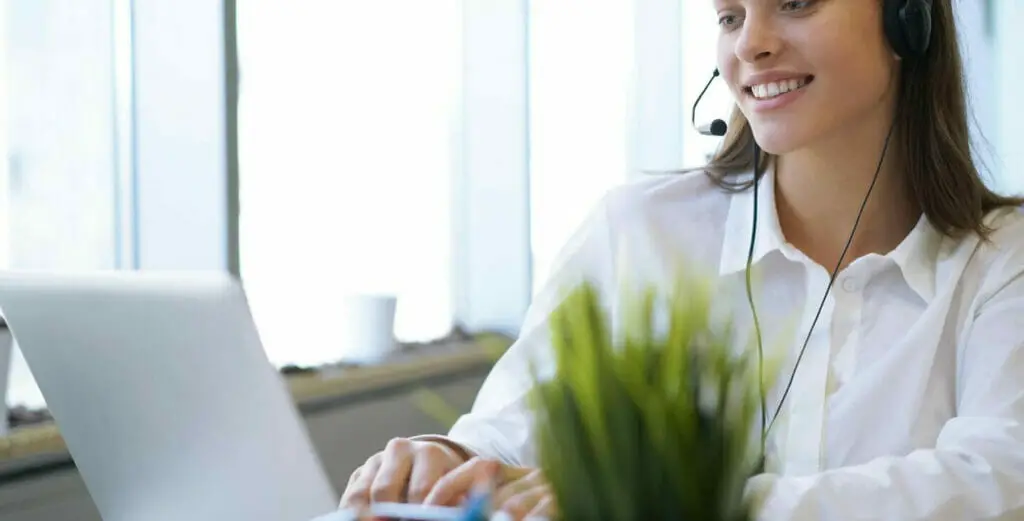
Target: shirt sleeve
[(975, 471), (500, 424)]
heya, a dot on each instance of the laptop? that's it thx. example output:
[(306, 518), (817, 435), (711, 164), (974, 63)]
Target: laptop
[(164, 396)]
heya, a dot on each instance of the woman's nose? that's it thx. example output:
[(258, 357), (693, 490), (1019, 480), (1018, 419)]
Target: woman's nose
[(758, 39)]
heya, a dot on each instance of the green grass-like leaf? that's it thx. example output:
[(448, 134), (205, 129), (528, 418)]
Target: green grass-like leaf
[(647, 425)]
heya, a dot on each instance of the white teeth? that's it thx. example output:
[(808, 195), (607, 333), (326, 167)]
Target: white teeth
[(770, 90)]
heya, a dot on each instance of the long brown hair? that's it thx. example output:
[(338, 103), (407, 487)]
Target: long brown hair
[(931, 135)]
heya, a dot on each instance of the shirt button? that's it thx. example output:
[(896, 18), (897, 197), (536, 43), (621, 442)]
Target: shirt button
[(850, 284)]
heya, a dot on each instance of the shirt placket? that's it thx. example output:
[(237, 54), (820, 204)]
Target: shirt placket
[(849, 292), (806, 400)]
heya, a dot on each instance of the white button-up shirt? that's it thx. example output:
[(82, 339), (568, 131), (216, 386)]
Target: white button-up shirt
[(908, 403)]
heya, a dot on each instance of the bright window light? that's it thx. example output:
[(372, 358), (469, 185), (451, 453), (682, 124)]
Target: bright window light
[(345, 125), (581, 54)]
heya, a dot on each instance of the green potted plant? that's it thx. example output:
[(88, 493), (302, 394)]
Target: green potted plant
[(645, 425)]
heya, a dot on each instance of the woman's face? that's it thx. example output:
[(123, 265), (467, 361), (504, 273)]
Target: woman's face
[(806, 71)]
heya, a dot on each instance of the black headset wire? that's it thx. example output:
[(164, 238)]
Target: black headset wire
[(693, 110), (750, 300), (766, 425), (824, 298)]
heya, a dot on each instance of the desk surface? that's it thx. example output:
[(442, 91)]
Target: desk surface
[(40, 447)]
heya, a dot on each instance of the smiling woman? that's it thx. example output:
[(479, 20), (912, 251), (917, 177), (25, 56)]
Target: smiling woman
[(864, 217), (756, 34), (910, 81)]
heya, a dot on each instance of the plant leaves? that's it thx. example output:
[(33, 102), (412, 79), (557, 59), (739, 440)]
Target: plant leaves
[(651, 425)]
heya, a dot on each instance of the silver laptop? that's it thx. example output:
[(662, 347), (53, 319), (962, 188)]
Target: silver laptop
[(165, 397)]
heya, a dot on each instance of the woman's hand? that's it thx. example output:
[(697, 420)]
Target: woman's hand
[(527, 494), (521, 493), (405, 471)]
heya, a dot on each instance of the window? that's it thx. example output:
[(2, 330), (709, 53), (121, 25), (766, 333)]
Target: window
[(61, 130), (1004, 20), (346, 159), (580, 57), (611, 91), (112, 139), (59, 140)]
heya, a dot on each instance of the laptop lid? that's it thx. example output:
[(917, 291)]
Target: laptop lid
[(165, 397)]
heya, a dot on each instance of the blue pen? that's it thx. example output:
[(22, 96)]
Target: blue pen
[(478, 506)]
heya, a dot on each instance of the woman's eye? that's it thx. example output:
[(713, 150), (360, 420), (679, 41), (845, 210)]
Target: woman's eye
[(727, 20), (795, 5)]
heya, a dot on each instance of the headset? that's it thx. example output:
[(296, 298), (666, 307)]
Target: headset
[(908, 28)]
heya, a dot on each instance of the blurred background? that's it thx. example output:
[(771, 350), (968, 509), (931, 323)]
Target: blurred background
[(435, 152)]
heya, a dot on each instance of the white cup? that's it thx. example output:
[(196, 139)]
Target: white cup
[(368, 328)]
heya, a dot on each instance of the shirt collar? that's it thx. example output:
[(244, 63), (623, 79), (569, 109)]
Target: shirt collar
[(736, 245), (917, 256)]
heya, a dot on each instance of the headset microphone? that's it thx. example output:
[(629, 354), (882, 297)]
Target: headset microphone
[(716, 127)]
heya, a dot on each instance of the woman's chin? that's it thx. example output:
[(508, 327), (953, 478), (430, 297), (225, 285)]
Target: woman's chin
[(778, 141)]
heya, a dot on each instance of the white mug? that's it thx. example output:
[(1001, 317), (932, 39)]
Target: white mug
[(368, 325)]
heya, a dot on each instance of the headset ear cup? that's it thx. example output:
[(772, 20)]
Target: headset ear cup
[(908, 26), (916, 18), (892, 23)]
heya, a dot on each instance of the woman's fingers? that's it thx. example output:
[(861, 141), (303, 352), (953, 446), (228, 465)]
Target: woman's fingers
[(416, 473), (395, 466), (358, 491), (526, 495), (545, 508), (456, 484), (430, 463), (403, 472), (534, 501), (517, 481)]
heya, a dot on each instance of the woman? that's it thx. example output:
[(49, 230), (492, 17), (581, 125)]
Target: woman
[(908, 400)]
